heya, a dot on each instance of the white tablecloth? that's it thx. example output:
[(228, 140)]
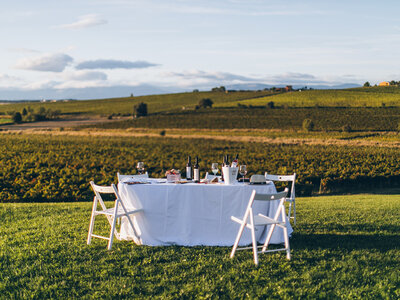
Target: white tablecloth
[(194, 214)]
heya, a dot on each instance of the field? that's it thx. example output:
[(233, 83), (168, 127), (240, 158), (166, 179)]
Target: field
[(372, 97), (5, 120), (37, 168), (359, 97), (344, 247), (324, 119), (156, 103)]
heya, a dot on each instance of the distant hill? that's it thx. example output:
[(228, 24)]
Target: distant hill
[(261, 86), (138, 90), (85, 93)]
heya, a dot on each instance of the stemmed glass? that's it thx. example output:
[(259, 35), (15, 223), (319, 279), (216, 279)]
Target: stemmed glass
[(140, 167), (243, 171), (214, 168)]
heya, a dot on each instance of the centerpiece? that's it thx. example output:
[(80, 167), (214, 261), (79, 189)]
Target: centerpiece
[(173, 175)]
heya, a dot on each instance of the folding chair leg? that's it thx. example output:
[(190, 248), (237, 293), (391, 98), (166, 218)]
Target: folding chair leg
[(287, 246), (239, 235), (110, 242), (91, 226), (290, 210), (136, 237), (268, 239), (253, 238), (294, 212)]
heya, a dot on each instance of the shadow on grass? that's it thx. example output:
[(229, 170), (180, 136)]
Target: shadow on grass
[(345, 241)]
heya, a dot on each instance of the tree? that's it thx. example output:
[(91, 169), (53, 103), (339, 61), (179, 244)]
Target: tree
[(131, 95), (24, 112), (308, 125), (17, 117), (206, 102), (367, 84), (140, 110), (218, 89)]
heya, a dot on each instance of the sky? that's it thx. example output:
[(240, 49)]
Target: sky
[(150, 46)]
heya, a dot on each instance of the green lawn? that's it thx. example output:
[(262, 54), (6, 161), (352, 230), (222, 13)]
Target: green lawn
[(342, 247)]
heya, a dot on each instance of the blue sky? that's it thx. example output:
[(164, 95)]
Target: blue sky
[(182, 44)]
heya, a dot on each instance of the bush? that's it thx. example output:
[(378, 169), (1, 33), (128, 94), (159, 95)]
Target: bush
[(162, 132), (308, 125), (17, 117), (271, 105), (140, 110), (110, 117), (206, 102), (346, 128)]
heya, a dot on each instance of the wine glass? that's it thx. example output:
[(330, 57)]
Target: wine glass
[(243, 171), (214, 168), (140, 167)]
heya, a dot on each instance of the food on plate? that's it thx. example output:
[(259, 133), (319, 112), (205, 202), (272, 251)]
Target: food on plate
[(214, 180), (172, 172)]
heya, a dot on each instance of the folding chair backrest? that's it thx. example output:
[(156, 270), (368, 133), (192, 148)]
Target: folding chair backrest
[(267, 197), (98, 189), (270, 197), (137, 176), (286, 178)]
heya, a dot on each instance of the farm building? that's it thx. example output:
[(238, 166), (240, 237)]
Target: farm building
[(384, 83)]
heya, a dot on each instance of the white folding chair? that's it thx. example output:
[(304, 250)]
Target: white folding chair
[(250, 221), (292, 197), (137, 176), (112, 214)]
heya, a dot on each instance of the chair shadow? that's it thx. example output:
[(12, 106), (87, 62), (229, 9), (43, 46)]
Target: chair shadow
[(313, 241)]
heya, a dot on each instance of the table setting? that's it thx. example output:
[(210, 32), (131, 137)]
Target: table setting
[(193, 211)]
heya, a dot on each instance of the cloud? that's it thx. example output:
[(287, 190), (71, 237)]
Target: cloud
[(294, 76), (9, 81), (113, 64), (49, 62), (221, 76), (23, 50), (202, 79), (85, 21), (5, 77), (86, 76), (42, 84)]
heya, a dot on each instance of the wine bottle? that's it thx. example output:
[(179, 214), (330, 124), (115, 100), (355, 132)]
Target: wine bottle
[(223, 165), (227, 161), (196, 171), (189, 169), (235, 161)]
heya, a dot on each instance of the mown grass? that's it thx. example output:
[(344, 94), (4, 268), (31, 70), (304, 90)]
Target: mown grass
[(342, 247), (373, 97)]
